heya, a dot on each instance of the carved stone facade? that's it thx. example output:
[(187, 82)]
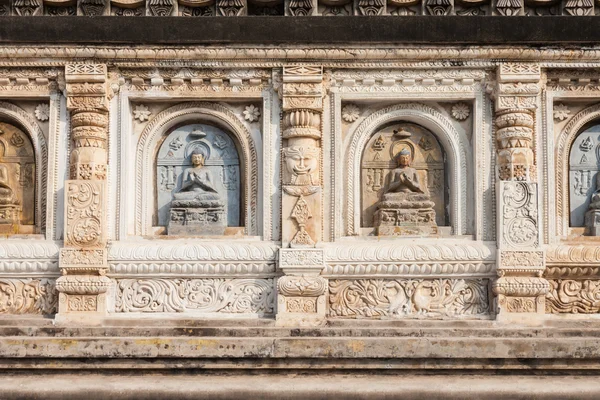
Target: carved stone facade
[(300, 189)]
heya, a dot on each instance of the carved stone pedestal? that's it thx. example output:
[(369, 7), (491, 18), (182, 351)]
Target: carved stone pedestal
[(83, 287), (404, 214), (197, 221), (301, 293)]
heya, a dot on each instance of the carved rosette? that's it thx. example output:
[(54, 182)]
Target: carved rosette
[(516, 99), (83, 261)]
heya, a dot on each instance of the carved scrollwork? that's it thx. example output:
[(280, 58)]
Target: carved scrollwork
[(573, 296), (28, 296), (306, 286), (409, 298), (85, 213), (519, 214), (198, 295)]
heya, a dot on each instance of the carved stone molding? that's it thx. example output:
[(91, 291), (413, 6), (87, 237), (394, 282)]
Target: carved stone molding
[(573, 261), (409, 298), (235, 82), (454, 145), (83, 284), (28, 257), (153, 250), (439, 258), (231, 296), (420, 81), (28, 296), (192, 259), (364, 53), (192, 112)]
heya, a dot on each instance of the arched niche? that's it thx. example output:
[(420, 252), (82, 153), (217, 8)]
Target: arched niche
[(454, 144), (35, 198), (222, 163), (584, 167), (17, 177), (151, 139), (578, 124), (380, 158)]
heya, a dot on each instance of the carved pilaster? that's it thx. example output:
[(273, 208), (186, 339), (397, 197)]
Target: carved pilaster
[(301, 292), (83, 285), (516, 99), (302, 98), (520, 288)]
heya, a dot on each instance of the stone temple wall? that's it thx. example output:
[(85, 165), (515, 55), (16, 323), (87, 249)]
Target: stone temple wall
[(289, 221)]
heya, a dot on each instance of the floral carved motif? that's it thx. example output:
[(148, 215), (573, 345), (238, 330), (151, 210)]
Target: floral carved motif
[(141, 113), (198, 295), (409, 298), (291, 257), (561, 112), (307, 286), (522, 258), (350, 113), (301, 304), (461, 111), (573, 296), (84, 211), (28, 296), (519, 214), (42, 112), (251, 113)]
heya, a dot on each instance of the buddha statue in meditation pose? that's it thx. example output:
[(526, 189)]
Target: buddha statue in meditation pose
[(592, 216), (405, 208), (7, 195), (197, 209)]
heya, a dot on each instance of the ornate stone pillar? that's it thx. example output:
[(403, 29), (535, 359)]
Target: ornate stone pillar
[(520, 288), (83, 263), (301, 293)]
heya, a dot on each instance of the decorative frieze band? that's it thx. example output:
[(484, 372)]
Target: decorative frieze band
[(231, 296), (409, 298)]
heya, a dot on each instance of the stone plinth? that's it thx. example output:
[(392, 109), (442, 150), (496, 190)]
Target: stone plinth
[(405, 214), (197, 221)]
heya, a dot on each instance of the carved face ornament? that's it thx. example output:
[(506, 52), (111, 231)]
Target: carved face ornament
[(301, 160)]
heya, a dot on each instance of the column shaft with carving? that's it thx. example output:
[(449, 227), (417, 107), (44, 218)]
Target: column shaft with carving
[(83, 262), (301, 293), (520, 288)]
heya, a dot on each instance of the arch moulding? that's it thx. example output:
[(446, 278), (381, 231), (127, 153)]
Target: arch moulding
[(17, 115), (563, 148), (192, 112), (440, 126)]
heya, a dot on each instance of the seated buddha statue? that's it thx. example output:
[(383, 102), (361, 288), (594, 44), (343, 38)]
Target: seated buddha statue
[(405, 179), (7, 195), (405, 203), (197, 189), (197, 209), (592, 216)]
